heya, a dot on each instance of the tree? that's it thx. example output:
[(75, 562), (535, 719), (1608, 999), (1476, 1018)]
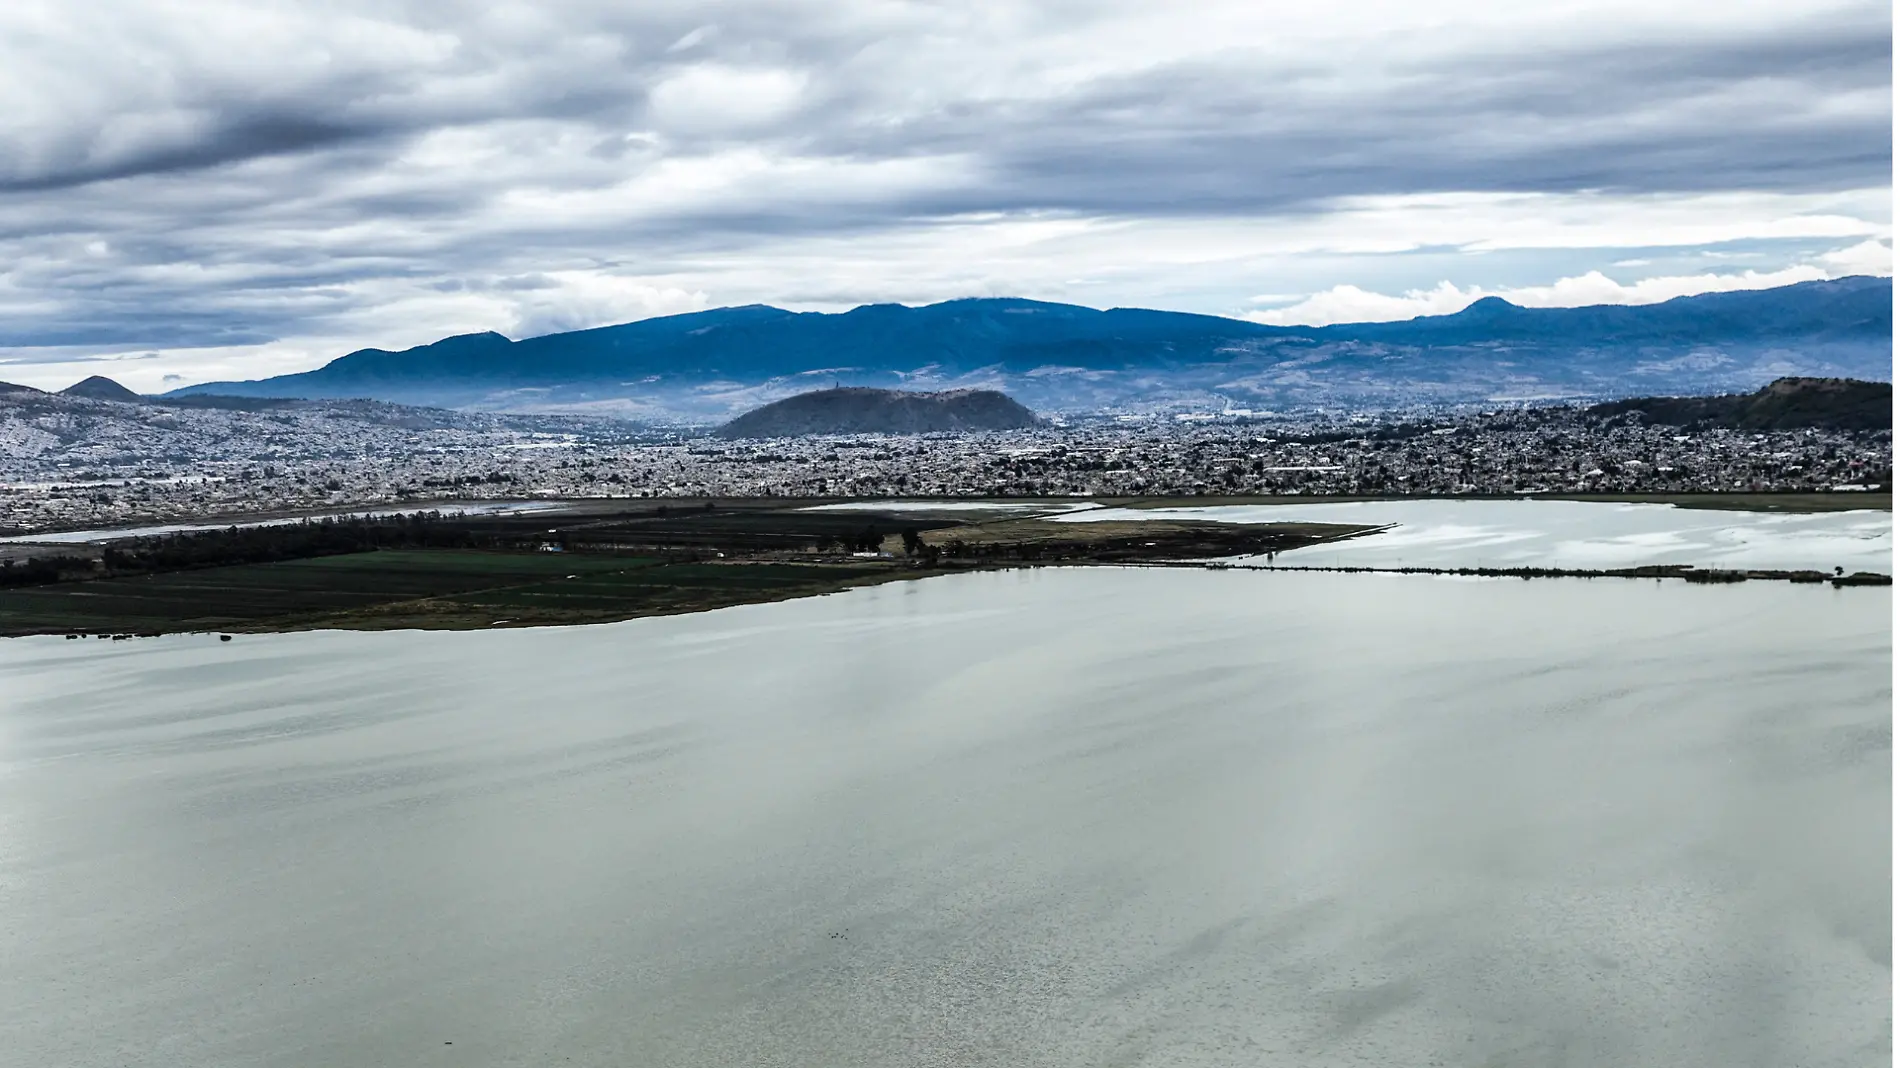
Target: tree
[(913, 542)]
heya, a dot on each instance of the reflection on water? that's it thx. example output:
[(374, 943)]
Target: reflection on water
[(1054, 817), (1578, 534)]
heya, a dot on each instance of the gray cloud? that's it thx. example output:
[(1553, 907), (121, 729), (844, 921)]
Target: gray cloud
[(270, 170), (1557, 117), (238, 137), (1638, 119)]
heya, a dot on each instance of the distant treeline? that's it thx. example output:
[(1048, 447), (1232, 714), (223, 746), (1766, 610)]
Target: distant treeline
[(225, 546), (867, 540), (41, 570), (330, 536)]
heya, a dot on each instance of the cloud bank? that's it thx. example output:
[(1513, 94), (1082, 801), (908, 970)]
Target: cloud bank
[(1350, 304)]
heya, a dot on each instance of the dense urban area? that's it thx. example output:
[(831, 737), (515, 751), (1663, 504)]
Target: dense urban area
[(68, 462)]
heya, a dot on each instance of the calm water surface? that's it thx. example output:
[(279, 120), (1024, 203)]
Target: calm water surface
[(1578, 534), (1079, 817)]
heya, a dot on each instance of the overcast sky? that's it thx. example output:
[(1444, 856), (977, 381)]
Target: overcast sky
[(235, 188)]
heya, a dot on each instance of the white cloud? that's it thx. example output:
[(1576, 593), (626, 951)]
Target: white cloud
[(713, 98), (1351, 304), (691, 39), (579, 300), (1868, 257)]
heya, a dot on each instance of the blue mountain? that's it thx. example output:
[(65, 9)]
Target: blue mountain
[(1060, 356)]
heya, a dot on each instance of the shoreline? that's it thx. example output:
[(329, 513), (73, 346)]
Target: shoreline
[(1792, 502), (1684, 572), (399, 619)]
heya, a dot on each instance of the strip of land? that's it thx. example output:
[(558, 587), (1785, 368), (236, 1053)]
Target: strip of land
[(518, 570), (1684, 572)]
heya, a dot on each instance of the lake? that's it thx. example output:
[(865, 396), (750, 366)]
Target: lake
[(1055, 817)]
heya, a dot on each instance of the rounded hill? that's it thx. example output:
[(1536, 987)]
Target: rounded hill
[(858, 410), (99, 387)]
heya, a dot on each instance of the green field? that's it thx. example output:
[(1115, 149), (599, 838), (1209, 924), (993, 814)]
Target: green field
[(409, 588)]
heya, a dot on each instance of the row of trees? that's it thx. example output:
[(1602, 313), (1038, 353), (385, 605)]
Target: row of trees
[(868, 540), (189, 549), (40, 570), (330, 536)]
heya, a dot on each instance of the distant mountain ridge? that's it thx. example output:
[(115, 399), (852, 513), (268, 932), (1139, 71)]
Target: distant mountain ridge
[(713, 363), (859, 410)]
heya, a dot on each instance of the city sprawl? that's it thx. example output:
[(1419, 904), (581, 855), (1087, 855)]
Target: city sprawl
[(71, 462)]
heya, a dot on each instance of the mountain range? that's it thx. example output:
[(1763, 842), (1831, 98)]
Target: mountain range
[(709, 365)]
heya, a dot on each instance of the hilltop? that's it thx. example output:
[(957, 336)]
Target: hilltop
[(1784, 404), (850, 410), (710, 365), (99, 387)]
